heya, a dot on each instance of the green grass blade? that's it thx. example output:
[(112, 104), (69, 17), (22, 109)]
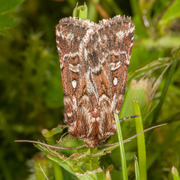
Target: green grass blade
[(121, 146), (140, 140), (136, 168), (175, 173)]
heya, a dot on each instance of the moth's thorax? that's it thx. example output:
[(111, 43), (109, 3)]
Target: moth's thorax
[(94, 60)]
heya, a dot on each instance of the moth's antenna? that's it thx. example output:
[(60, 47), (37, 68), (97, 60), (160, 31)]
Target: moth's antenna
[(129, 139), (50, 146)]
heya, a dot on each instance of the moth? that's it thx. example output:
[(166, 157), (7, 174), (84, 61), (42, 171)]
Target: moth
[(94, 60)]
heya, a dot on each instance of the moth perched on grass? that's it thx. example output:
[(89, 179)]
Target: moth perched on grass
[(94, 60)]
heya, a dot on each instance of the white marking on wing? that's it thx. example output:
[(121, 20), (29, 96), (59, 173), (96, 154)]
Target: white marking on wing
[(104, 97), (115, 81), (71, 54), (127, 61), (74, 84), (74, 103), (72, 126), (70, 36), (115, 66), (69, 114), (84, 97), (58, 49), (120, 34), (97, 68), (74, 68), (58, 33), (114, 102)]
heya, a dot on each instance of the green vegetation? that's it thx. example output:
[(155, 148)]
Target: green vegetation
[(31, 98)]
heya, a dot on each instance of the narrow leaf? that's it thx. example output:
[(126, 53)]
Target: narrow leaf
[(121, 146), (136, 168), (140, 140)]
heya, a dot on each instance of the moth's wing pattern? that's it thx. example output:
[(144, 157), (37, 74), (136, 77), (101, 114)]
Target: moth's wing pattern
[(70, 33), (118, 34), (108, 54)]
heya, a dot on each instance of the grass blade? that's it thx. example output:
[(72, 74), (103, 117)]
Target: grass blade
[(121, 146), (136, 168), (140, 140)]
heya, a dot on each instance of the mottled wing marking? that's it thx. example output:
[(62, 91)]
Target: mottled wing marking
[(120, 35), (70, 33), (108, 54)]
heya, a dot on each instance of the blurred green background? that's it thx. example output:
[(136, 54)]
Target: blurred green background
[(31, 97)]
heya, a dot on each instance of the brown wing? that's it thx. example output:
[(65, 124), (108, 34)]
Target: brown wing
[(106, 55), (109, 57), (70, 33)]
